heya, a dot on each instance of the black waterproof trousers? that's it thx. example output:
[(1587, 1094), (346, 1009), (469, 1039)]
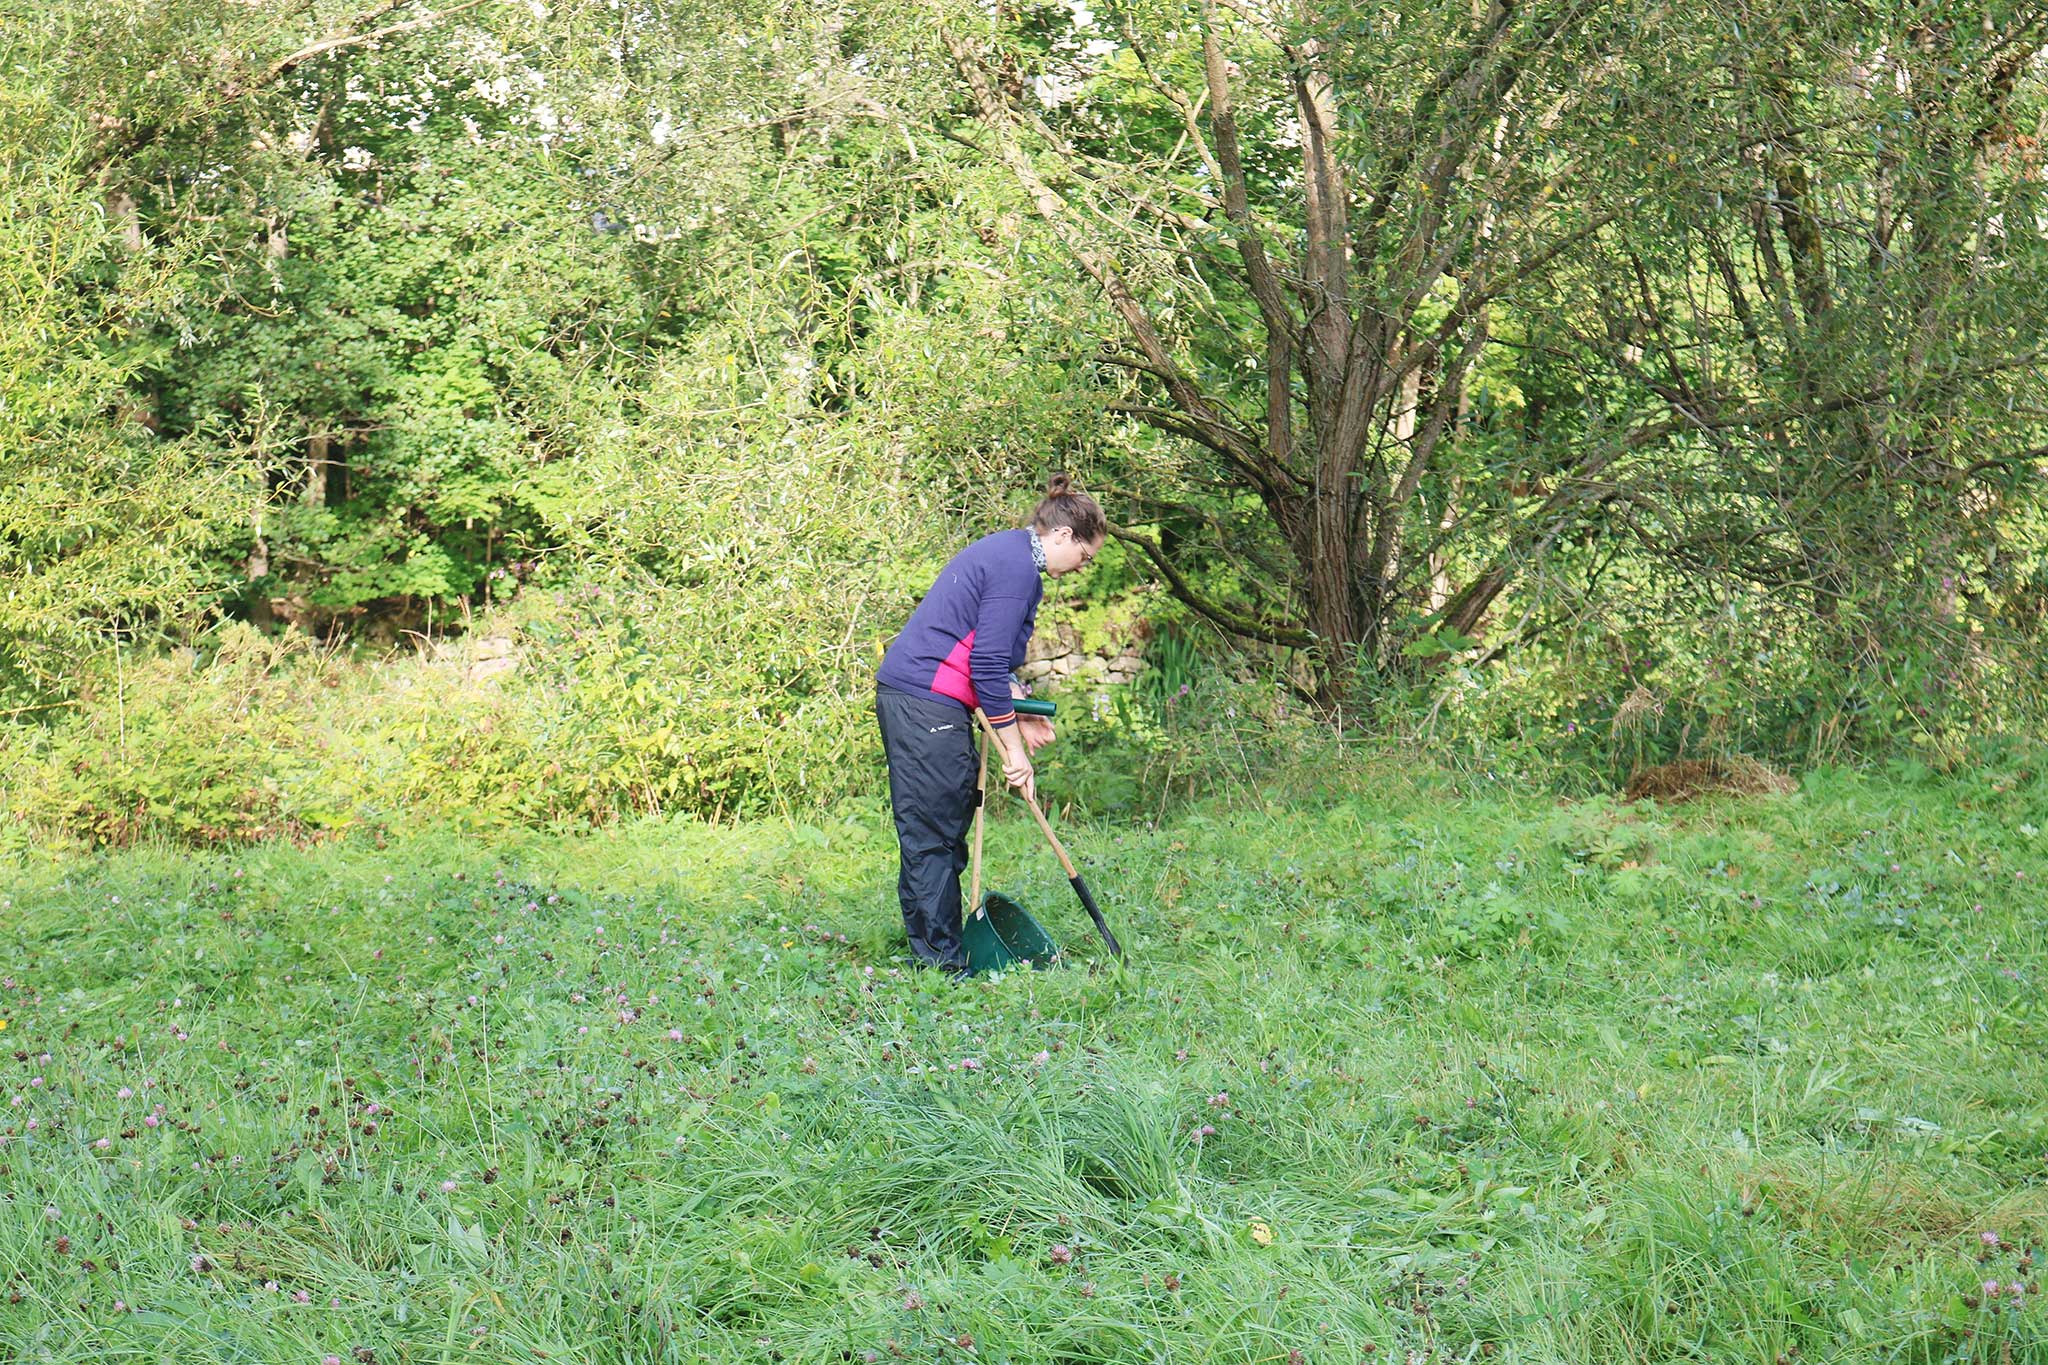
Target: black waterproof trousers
[(929, 742)]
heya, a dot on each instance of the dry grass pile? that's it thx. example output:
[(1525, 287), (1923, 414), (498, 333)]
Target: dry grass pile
[(1688, 778)]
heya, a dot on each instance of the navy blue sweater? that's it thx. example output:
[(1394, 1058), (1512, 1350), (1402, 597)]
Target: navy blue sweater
[(972, 628)]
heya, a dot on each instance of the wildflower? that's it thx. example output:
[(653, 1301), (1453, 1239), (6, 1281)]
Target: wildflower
[(124, 1093), (102, 1144), (301, 1296), (969, 1064), (1040, 1057), (675, 1035), (330, 1360), (447, 1187), (1088, 1290), (1220, 1100), (120, 1306), (1990, 1289), (913, 1301), (151, 1121), (1989, 1239), (1061, 1254), (200, 1265)]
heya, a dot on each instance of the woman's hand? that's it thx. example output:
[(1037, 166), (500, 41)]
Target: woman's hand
[(1017, 771), (1036, 730)]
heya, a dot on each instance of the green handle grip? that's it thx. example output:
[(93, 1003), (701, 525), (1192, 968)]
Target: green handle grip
[(1032, 706)]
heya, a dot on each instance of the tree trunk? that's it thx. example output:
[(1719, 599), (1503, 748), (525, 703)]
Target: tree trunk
[(258, 566), (314, 492)]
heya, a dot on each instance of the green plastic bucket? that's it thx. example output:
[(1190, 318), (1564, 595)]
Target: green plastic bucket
[(1000, 933)]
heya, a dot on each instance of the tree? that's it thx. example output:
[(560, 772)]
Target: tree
[(1441, 158), (1323, 231), (1837, 294)]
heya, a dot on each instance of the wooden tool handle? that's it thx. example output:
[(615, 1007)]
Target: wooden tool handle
[(1031, 801), (980, 806), (1045, 828)]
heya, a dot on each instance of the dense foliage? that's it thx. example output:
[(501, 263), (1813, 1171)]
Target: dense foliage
[(1494, 371)]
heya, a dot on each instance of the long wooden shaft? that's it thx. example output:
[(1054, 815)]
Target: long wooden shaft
[(1045, 828), (1031, 801), (980, 808)]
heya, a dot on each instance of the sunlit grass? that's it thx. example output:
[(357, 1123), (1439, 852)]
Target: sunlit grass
[(1409, 1073)]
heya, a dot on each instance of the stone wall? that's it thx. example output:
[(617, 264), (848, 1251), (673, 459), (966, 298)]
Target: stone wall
[(482, 658), (1059, 662)]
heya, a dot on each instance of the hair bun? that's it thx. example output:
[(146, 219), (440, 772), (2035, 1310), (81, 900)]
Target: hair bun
[(1066, 505)]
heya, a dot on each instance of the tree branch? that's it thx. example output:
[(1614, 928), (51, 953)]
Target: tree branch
[(350, 37), (1281, 330), (134, 139), (1229, 620), (1217, 433)]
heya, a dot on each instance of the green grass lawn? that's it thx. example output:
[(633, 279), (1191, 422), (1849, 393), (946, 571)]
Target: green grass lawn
[(1420, 1072)]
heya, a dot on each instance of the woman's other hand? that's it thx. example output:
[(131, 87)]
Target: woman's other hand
[(1036, 730)]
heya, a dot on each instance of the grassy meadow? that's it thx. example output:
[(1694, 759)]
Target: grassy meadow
[(1416, 1070)]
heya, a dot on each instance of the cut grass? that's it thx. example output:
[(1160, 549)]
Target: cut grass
[(1406, 1073)]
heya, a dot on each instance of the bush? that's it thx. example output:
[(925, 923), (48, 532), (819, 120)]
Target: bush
[(175, 749)]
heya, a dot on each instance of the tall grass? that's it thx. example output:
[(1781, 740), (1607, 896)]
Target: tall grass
[(1403, 1072)]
